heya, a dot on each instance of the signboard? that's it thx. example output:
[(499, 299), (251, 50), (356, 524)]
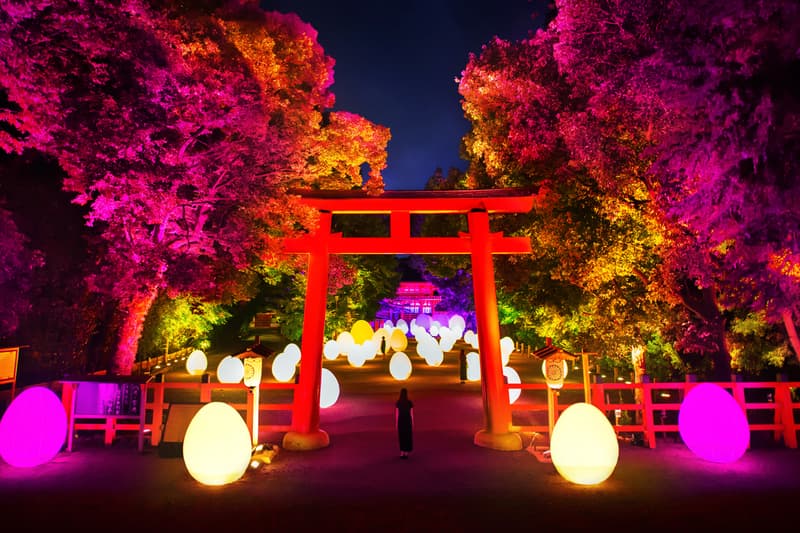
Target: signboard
[(107, 399), (8, 364)]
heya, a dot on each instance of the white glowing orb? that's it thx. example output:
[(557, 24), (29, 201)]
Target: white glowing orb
[(388, 325), (217, 445), (292, 351), (434, 329), (361, 331), (469, 336), (456, 323), (398, 341), (196, 363), (400, 366), (370, 348), (506, 349), (331, 350), (356, 356), (435, 356), (230, 370), (473, 367), (328, 389), (402, 325), (283, 367), (446, 342), (584, 446), (512, 377), (346, 342)]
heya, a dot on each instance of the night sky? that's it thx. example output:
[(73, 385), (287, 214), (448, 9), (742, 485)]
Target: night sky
[(396, 63)]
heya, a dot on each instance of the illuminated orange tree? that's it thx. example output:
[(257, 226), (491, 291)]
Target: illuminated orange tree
[(661, 135)]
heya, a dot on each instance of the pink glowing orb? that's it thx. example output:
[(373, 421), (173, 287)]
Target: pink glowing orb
[(33, 428), (712, 425)]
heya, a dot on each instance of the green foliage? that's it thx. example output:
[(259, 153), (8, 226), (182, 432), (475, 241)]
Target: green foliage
[(757, 346), (178, 322)]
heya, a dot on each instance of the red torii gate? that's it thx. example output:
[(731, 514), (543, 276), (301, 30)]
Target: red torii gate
[(479, 242)]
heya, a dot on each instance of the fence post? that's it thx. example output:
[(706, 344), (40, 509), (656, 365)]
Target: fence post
[(647, 411), (205, 388), (158, 409), (784, 415)]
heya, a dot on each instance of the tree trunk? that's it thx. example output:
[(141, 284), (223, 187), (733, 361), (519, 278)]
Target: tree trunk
[(703, 303), (131, 331), (788, 323)]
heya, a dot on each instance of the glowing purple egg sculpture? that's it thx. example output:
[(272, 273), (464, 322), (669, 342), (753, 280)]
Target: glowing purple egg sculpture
[(712, 425), (33, 428)]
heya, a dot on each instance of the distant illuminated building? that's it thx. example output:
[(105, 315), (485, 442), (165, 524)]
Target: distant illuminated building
[(412, 299)]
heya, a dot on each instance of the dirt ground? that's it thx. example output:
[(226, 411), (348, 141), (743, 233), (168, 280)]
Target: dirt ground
[(359, 483)]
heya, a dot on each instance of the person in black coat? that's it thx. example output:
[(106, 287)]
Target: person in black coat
[(404, 416)]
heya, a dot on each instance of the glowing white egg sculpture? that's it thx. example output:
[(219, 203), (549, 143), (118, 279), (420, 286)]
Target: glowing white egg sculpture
[(402, 325), (230, 370), (712, 424), (346, 342), (217, 445), (33, 428), (283, 367), (196, 363), (400, 366), (292, 351), (473, 366), (328, 389), (506, 349), (331, 350), (512, 376), (584, 446)]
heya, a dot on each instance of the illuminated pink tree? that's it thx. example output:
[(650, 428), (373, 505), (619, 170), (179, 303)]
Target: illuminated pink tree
[(180, 129)]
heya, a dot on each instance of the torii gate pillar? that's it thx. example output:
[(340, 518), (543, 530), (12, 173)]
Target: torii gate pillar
[(497, 411), (305, 433)]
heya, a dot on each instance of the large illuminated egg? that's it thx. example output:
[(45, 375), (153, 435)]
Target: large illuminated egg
[(217, 445), (398, 340), (361, 331), (584, 446), (33, 428), (196, 363), (292, 351), (400, 366), (712, 425), (328, 389), (230, 370)]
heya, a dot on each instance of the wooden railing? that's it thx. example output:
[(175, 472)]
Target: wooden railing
[(159, 396), (649, 415)]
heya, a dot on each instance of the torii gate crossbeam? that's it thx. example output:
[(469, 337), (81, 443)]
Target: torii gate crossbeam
[(479, 242)]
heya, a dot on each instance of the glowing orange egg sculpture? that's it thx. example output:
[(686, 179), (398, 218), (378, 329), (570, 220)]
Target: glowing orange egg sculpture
[(217, 445)]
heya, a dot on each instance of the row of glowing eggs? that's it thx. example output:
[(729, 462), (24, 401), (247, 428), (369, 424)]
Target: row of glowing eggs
[(584, 447)]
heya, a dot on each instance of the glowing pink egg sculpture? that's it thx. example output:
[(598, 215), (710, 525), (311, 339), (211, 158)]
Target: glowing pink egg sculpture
[(33, 428), (712, 425)]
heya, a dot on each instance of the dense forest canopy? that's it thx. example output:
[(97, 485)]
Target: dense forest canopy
[(159, 139)]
